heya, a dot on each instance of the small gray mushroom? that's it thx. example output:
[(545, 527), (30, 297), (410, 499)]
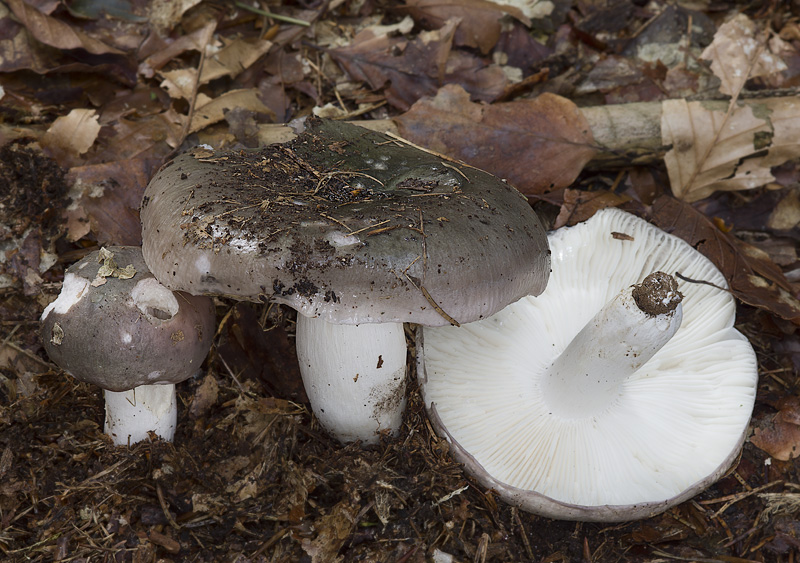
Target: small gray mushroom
[(359, 232), (114, 325)]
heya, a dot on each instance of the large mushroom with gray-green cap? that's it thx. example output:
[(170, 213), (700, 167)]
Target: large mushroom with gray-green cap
[(358, 231)]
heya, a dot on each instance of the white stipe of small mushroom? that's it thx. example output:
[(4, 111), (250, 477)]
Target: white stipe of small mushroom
[(72, 291), (675, 420), (131, 415), (354, 376)]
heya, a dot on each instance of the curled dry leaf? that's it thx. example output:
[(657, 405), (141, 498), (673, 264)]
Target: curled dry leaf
[(214, 110), (779, 434), (538, 145), (71, 135), (479, 24), (166, 14), (580, 205), (56, 33), (229, 61), (714, 149), (332, 531), (786, 214), (754, 279), (234, 58), (411, 69), (709, 148), (20, 51), (108, 205), (738, 53), (196, 40)]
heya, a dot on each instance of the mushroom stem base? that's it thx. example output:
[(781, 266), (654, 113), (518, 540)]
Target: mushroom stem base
[(354, 375), (131, 415)]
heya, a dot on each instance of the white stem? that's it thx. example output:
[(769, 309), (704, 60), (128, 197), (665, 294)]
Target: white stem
[(354, 375), (130, 415), (586, 377)]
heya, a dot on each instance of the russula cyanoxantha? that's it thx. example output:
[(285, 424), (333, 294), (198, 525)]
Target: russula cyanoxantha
[(577, 404), (115, 326), (359, 232)]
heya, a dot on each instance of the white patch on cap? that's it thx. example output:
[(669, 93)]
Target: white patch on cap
[(243, 245), (127, 338), (339, 239), (154, 300), (153, 375), (239, 243), (202, 264), (72, 291)]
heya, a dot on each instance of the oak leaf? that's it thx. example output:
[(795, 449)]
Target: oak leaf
[(56, 33), (536, 144), (753, 277)]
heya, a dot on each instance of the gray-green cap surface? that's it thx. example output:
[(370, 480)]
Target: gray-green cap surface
[(344, 224)]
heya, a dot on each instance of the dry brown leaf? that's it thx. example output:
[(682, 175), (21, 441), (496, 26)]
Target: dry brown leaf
[(738, 53), (709, 148), (779, 439), (71, 135), (580, 205), (214, 111), (205, 396), (56, 33), (147, 136), (197, 40), (754, 279), (786, 214), (19, 51), (332, 530), (410, 70), (538, 145), (233, 58), (783, 115), (166, 14), (779, 434), (717, 150), (479, 24), (179, 83), (109, 202)]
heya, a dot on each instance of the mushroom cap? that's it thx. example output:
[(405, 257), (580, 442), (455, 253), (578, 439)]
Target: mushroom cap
[(345, 224), (119, 332), (675, 426)]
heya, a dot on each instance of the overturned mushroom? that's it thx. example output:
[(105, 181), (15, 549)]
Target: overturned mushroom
[(357, 231), (115, 326), (610, 396)]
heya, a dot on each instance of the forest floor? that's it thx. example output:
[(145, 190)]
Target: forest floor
[(95, 96)]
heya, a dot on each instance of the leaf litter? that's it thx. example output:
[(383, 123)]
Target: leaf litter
[(94, 101)]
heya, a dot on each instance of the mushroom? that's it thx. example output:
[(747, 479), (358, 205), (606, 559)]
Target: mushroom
[(120, 329), (610, 396), (359, 232)]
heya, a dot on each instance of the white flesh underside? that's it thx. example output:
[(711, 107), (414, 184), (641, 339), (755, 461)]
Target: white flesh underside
[(668, 425)]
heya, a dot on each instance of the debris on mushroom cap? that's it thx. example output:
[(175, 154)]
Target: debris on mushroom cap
[(673, 427), (115, 326), (345, 224)]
